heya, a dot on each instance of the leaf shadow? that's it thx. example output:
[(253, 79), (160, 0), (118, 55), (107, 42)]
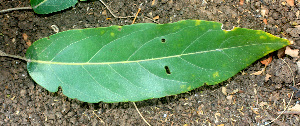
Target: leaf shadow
[(173, 99)]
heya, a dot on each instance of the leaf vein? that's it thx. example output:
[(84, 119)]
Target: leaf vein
[(112, 42), (196, 40), (70, 87), (124, 77), (70, 45), (51, 44), (155, 38), (99, 83)]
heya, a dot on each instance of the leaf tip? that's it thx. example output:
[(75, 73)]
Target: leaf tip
[(290, 42)]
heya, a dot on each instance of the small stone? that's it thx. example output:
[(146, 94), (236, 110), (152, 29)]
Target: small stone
[(23, 92), (104, 13)]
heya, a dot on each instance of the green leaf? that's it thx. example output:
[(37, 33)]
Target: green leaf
[(144, 61), (50, 6)]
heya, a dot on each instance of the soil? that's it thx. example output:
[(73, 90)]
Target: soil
[(244, 99)]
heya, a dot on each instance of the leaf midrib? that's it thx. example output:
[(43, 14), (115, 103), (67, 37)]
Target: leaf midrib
[(36, 6), (137, 61)]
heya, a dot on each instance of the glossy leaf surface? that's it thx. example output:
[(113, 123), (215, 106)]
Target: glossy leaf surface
[(144, 61), (50, 6)]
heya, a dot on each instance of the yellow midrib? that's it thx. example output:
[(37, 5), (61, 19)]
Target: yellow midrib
[(40, 4), (137, 61)]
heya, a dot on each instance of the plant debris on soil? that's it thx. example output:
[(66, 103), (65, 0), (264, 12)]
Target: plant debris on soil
[(245, 99)]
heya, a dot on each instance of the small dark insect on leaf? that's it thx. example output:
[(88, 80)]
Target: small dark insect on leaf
[(167, 70)]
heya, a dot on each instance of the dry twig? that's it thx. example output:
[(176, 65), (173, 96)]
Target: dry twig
[(140, 114), (282, 112), (115, 16), (137, 14), (110, 11), (98, 117)]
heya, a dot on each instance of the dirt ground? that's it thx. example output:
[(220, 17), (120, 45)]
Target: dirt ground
[(244, 99)]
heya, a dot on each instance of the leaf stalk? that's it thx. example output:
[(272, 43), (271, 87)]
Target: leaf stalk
[(13, 56), (17, 8)]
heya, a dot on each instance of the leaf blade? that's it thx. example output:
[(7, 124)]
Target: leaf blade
[(128, 63), (50, 6)]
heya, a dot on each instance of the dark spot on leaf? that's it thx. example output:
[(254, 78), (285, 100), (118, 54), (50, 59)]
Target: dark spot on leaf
[(163, 40), (167, 70), (119, 29)]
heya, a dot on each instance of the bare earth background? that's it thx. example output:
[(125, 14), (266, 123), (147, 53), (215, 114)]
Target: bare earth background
[(247, 100)]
